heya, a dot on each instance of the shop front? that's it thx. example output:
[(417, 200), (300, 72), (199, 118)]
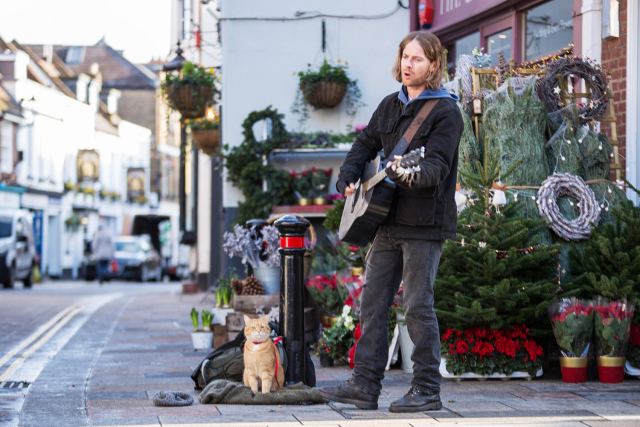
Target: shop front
[(525, 30)]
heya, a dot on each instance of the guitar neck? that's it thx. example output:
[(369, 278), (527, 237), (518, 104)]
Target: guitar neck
[(375, 180)]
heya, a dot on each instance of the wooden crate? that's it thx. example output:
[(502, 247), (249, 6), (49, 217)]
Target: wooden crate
[(249, 303), (219, 335)]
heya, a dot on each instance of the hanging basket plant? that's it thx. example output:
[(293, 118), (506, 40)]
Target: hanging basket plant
[(326, 88), (190, 91), (206, 134)]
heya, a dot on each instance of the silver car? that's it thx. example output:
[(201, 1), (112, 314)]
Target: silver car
[(17, 247)]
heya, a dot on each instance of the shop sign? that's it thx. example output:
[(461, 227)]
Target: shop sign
[(450, 12), (135, 182), (88, 165), (34, 201)]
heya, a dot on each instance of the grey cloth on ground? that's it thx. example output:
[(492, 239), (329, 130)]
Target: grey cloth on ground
[(172, 398), (229, 392)]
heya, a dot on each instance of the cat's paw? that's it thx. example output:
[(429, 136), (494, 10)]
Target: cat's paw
[(254, 390)]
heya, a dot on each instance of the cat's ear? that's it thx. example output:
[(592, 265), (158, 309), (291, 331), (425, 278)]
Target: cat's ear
[(265, 320), (247, 320)]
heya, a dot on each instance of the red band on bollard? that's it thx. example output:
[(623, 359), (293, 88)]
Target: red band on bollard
[(291, 242)]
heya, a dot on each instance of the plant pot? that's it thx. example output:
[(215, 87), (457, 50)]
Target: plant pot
[(611, 369), (308, 260), (207, 139), (357, 271), (325, 94), (406, 346), (189, 105), (269, 277), (574, 369), (202, 340), (320, 201), (304, 202), (328, 320), (190, 287), (326, 361)]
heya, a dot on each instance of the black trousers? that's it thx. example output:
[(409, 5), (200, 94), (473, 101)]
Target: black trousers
[(389, 262)]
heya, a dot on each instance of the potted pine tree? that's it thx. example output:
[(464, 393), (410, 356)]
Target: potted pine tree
[(190, 91)]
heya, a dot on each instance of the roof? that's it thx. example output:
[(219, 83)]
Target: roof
[(8, 104), (117, 72)]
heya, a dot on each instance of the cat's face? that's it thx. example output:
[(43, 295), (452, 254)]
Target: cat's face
[(256, 330)]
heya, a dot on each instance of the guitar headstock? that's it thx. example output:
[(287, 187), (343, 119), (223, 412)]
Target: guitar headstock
[(411, 159)]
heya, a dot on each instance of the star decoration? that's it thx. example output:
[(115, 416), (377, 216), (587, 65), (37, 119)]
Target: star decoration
[(556, 90)]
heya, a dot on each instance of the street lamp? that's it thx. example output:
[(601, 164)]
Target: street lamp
[(176, 63)]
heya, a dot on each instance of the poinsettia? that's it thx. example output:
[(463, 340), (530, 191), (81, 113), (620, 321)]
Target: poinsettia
[(572, 324), (357, 333), (633, 353), (612, 326), (488, 351)]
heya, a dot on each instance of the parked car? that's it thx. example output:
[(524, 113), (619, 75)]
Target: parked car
[(17, 247), (134, 258)]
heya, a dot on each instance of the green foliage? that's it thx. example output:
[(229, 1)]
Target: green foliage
[(338, 339), (318, 139), (224, 292), (73, 222), (246, 169), (193, 76), (207, 317), (497, 273), (328, 293), (334, 216), (611, 331), (308, 83), (194, 318), (609, 264), (204, 124), (573, 328)]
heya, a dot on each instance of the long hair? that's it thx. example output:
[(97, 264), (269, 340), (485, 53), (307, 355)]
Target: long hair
[(433, 51)]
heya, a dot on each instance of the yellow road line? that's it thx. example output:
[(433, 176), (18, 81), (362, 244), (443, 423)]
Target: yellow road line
[(42, 329), (18, 362)]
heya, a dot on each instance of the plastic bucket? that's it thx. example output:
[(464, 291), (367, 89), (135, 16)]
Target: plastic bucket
[(269, 277)]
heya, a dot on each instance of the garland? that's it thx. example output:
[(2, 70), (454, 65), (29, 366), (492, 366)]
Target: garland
[(550, 90), (246, 167)]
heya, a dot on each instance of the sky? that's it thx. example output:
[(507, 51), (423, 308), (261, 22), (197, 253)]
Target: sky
[(139, 27)]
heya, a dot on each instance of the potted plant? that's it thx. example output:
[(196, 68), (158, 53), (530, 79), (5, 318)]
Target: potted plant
[(329, 294), (301, 187), (337, 340), (326, 88), (572, 323), (320, 180), (202, 338), (260, 249), (190, 91), (114, 196), (612, 329), (206, 134), (73, 223)]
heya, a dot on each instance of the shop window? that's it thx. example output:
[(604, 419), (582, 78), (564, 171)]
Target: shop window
[(549, 28), (500, 42), (461, 46)]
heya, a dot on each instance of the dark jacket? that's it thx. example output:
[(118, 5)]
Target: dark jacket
[(424, 206)]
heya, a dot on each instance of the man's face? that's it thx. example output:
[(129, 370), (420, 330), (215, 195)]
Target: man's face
[(415, 65)]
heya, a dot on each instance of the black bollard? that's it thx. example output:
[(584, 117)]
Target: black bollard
[(291, 326)]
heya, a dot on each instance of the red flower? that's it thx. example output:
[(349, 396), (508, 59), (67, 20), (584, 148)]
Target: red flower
[(349, 302), (353, 248), (357, 333), (634, 338), (461, 347)]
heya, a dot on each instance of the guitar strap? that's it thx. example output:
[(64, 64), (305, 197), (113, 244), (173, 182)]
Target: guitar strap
[(404, 142)]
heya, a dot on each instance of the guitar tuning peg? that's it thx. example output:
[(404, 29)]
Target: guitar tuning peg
[(417, 169)]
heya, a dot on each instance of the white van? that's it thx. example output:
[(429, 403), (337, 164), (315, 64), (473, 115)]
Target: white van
[(17, 247)]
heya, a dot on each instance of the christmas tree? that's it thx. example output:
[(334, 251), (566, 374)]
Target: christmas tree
[(497, 273), (609, 264)]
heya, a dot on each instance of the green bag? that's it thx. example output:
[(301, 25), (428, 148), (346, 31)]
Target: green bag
[(228, 365)]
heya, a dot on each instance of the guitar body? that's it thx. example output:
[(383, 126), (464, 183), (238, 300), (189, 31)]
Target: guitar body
[(365, 211)]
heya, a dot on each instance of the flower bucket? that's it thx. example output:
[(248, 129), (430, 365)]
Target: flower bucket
[(190, 106), (325, 94), (269, 277), (326, 361), (304, 202), (574, 369), (202, 340), (320, 201), (611, 369), (207, 139)]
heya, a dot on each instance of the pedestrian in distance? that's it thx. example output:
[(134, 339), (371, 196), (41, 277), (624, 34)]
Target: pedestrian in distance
[(102, 248), (408, 244)]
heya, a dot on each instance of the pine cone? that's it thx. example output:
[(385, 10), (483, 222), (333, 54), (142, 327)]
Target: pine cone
[(252, 286), (502, 69), (236, 285)]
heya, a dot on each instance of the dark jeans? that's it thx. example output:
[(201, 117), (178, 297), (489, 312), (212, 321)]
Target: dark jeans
[(103, 267), (390, 261)]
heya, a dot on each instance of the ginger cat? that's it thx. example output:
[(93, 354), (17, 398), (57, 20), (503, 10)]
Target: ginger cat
[(262, 365)]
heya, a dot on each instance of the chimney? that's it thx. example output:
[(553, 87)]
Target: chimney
[(13, 65), (112, 101), (47, 52), (82, 87), (94, 94)]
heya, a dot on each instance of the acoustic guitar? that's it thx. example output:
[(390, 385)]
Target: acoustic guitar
[(369, 205)]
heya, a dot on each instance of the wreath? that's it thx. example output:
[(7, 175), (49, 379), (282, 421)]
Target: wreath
[(550, 88), (245, 168), (565, 184)]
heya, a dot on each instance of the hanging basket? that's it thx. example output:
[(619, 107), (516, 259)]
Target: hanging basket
[(325, 94), (207, 139), (190, 101)]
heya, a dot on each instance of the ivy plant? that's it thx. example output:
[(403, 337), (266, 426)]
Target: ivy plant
[(309, 81), (247, 170)]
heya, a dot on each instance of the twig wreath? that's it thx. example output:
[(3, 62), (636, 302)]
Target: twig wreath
[(550, 87), (565, 184)]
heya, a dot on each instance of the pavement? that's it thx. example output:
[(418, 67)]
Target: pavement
[(101, 353)]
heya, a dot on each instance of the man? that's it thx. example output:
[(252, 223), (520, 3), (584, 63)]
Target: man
[(408, 245), (102, 248)]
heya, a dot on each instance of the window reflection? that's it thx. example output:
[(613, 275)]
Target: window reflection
[(549, 28), (499, 42)]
